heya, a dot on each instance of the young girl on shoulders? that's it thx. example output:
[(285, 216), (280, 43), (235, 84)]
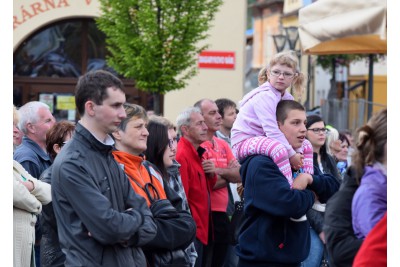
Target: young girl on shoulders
[(256, 131)]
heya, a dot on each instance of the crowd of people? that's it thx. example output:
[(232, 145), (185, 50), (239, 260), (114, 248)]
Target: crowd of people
[(121, 187)]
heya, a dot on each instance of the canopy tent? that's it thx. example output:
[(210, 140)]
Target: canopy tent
[(343, 27), (329, 27)]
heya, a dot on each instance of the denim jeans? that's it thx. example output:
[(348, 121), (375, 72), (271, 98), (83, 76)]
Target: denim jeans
[(316, 251), (231, 259)]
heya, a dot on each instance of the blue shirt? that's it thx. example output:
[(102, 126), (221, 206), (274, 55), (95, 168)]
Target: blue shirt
[(32, 157)]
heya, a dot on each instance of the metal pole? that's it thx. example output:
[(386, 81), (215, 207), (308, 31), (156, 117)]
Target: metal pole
[(370, 84)]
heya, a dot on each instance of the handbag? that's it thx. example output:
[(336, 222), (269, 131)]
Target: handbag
[(236, 222), (325, 261), (162, 209)]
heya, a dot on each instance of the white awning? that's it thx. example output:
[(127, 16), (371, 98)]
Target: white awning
[(343, 27)]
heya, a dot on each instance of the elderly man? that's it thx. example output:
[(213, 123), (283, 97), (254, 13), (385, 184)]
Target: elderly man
[(35, 120), (197, 184)]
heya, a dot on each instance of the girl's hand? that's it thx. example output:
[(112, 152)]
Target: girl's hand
[(296, 161)]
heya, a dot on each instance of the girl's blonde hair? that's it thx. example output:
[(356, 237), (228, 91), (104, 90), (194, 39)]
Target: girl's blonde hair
[(287, 58)]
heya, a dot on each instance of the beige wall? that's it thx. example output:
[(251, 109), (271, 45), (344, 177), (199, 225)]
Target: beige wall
[(227, 34)]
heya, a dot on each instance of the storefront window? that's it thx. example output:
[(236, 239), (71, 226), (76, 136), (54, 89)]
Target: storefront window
[(60, 51)]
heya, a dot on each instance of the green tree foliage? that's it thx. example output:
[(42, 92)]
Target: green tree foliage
[(156, 42)]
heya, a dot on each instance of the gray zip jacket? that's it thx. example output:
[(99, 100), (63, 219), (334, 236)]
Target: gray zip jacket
[(101, 221)]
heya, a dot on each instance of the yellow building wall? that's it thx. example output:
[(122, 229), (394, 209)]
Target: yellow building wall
[(227, 34), (379, 98)]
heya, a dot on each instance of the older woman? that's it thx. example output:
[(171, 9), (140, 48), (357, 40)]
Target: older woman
[(50, 253), (29, 194)]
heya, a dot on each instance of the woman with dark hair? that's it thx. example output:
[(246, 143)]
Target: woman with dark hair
[(323, 164), (317, 134), (161, 151), (50, 252)]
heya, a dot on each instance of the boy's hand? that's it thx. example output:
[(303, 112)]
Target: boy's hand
[(296, 161), (301, 181)]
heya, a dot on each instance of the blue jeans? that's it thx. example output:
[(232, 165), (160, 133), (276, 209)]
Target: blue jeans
[(316, 251), (231, 259)]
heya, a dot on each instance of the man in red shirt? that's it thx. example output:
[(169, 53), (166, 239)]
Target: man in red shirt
[(197, 185), (218, 160)]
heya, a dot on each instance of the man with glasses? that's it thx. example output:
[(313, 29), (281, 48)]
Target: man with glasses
[(35, 121), (218, 160)]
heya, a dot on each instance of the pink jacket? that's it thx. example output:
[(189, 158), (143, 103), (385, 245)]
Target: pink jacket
[(257, 116)]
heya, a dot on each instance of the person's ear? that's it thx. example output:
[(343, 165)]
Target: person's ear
[(90, 108), (30, 127), (56, 148), (117, 135), (279, 124), (184, 130)]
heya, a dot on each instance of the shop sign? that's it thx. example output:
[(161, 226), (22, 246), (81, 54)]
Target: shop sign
[(216, 60), (27, 10)]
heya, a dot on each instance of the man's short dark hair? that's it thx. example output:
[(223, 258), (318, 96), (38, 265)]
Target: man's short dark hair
[(223, 103), (93, 86), (283, 108)]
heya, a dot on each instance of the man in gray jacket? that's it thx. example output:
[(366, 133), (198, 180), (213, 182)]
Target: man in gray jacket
[(101, 221)]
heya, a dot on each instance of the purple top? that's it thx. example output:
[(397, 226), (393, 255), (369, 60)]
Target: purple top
[(257, 116), (369, 202)]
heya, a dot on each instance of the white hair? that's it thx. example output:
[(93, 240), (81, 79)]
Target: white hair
[(28, 113), (184, 117)]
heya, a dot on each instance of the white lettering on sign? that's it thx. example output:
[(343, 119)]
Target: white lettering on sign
[(216, 59)]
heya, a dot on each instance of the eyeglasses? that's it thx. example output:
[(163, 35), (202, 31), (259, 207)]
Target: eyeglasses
[(277, 73), (319, 130)]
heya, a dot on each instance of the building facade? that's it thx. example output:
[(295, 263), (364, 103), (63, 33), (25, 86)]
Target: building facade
[(56, 41)]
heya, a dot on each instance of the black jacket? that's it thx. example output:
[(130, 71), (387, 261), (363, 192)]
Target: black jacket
[(340, 239), (91, 194), (50, 251), (316, 218)]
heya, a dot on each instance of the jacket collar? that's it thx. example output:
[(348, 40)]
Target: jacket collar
[(84, 135), (29, 143)]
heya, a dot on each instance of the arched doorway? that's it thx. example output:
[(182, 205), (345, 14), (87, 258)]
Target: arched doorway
[(47, 65)]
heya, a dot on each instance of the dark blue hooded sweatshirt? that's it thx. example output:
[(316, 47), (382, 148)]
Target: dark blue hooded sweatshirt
[(268, 236)]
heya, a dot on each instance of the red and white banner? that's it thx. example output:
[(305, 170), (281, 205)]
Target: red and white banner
[(216, 60)]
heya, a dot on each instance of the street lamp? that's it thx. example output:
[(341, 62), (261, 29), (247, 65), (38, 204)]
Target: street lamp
[(280, 42), (291, 36)]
